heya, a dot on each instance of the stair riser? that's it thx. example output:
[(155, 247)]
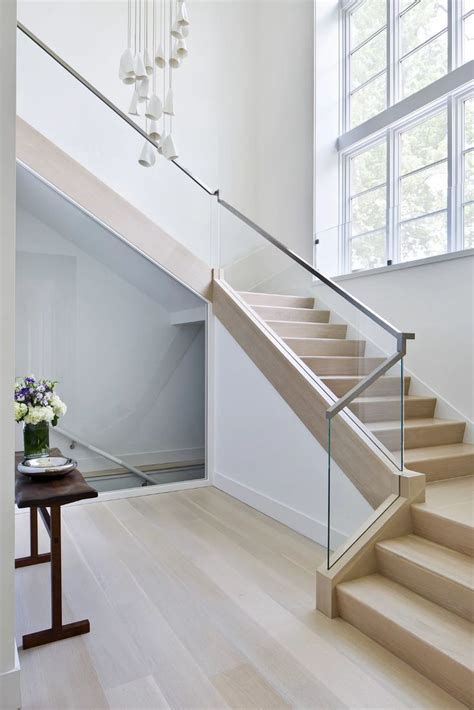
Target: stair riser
[(441, 590), (418, 437), (444, 671), (442, 530), (311, 346), (309, 315), (384, 386), (440, 469), (335, 366), (384, 411), (309, 330), (271, 299)]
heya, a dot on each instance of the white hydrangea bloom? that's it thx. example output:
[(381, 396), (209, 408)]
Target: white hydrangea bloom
[(39, 414), (20, 410), (59, 408)]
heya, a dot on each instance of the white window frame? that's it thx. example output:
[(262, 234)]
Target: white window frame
[(448, 92)]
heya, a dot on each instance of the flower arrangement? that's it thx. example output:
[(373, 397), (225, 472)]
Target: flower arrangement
[(36, 401)]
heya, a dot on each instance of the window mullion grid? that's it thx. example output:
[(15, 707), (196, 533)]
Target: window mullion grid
[(393, 195), (346, 40), (347, 226), (392, 51), (454, 18), (452, 201)]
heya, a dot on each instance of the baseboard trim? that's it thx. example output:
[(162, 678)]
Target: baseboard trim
[(10, 692), (296, 520)]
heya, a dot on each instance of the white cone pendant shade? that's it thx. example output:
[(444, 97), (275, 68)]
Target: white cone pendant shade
[(133, 109), (185, 30), (181, 49), (148, 63), (177, 30), (175, 59), (160, 60), (154, 109), (126, 78), (169, 148), (140, 71), (182, 16), (144, 89), (168, 106), (154, 132), (161, 142), (147, 156), (127, 65)]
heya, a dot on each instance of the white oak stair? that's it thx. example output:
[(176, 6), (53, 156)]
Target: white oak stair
[(420, 602)]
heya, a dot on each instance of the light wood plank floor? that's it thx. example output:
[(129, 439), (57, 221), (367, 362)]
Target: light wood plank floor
[(198, 601)]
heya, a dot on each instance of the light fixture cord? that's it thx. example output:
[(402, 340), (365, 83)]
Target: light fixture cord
[(135, 13), (129, 24), (170, 75), (163, 35), (154, 46)]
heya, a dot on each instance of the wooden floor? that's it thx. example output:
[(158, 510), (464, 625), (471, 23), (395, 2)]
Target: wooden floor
[(198, 601)]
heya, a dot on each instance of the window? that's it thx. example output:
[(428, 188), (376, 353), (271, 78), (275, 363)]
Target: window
[(468, 173), (423, 189), (407, 175)]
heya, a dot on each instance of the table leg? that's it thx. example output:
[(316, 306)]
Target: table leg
[(34, 558), (57, 631)]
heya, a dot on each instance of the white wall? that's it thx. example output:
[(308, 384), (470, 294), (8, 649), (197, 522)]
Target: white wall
[(95, 315), (284, 121), (435, 300), (266, 457), (244, 108), (9, 670)]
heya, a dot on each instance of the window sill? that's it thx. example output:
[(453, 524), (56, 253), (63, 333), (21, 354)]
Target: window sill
[(462, 254)]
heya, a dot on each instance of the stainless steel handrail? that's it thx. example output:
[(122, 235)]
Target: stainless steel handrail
[(400, 336)]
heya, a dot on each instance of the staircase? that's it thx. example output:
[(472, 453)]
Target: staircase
[(420, 602)]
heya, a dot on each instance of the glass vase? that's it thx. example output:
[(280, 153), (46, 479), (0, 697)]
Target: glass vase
[(36, 440)]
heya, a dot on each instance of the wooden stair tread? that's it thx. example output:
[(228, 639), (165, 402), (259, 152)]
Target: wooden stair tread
[(442, 494), (439, 559), (291, 328), (413, 423), (434, 452), (435, 626), (259, 298), (340, 384), (391, 398), (290, 313)]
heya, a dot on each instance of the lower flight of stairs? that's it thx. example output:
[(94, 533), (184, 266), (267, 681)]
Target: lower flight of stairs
[(420, 603)]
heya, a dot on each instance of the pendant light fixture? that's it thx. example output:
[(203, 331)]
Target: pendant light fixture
[(156, 47)]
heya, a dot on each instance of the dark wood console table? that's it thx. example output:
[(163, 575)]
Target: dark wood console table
[(39, 495)]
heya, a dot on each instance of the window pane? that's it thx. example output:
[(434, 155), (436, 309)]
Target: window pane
[(425, 65), (422, 21), (469, 123), (423, 237), (369, 60), (426, 143), (369, 100), (369, 168), (468, 177), (368, 252), (367, 19), (368, 211), (468, 39), (469, 226), (424, 192)]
